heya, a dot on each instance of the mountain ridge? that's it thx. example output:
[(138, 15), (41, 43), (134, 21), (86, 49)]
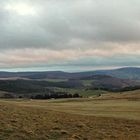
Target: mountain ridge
[(124, 73)]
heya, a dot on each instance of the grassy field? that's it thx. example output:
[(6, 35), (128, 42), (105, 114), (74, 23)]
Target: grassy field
[(109, 117), (83, 92)]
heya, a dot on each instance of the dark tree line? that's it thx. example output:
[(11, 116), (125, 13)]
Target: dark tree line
[(57, 95), (113, 89)]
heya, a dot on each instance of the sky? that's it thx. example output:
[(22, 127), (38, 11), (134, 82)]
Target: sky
[(69, 35)]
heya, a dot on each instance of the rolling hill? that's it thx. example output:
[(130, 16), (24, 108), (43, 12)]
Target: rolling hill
[(95, 82), (124, 73), (123, 79)]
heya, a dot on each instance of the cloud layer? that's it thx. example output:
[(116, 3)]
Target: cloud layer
[(39, 33)]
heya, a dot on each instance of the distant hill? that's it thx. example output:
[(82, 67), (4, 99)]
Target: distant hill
[(107, 82), (114, 84), (39, 75), (126, 73), (96, 82), (123, 73), (34, 86)]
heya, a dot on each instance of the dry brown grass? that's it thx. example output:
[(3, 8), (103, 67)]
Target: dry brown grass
[(54, 120), (131, 95)]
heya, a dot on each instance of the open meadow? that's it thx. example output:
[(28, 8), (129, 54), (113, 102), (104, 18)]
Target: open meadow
[(109, 117)]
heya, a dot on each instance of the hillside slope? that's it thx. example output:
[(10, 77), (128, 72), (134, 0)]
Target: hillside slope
[(127, 73)]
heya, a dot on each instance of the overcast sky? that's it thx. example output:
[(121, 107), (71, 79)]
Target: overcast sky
[(69, 35)]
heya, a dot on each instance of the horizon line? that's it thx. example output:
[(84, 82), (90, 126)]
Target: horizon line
[(72, 71)]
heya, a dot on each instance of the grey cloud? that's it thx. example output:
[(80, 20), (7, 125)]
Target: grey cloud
[(88, 63), (74, 24), (59, 22), (101, 61)]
